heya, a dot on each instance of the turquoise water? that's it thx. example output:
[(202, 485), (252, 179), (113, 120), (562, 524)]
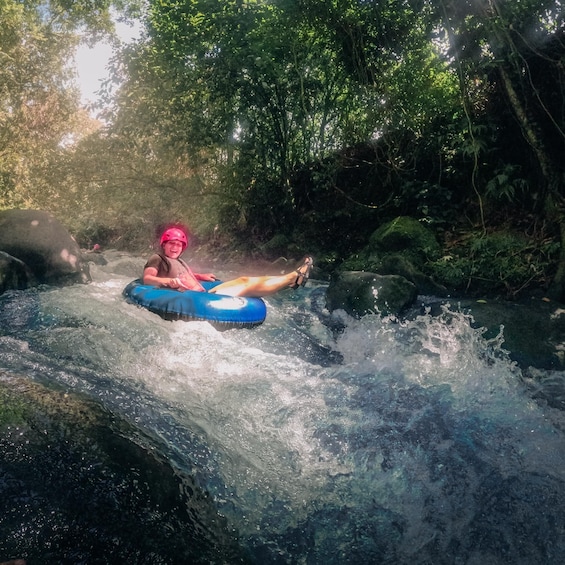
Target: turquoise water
[(387, 442)]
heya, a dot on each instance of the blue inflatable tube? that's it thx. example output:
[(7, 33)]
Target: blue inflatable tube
[(222, 311)]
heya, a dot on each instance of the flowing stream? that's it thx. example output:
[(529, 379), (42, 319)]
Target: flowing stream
[(388, 442)]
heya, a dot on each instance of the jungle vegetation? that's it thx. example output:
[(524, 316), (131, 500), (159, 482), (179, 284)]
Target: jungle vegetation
[(276, 126)]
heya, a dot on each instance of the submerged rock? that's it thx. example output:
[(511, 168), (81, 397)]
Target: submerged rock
[(86, 487)]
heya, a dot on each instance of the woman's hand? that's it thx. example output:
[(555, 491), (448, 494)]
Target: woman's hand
[(181, 284), (210, 277), (189, 283)]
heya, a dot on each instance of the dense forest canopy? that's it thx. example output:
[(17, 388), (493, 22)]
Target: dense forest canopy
[(288, 124)]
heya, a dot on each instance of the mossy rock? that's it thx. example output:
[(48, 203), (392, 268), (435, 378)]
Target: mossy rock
[(87, 487), (407, 236), (395, 264), (365, 260), (44, 245)]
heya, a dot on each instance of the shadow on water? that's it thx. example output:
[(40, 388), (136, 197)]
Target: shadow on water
[(124, 438)]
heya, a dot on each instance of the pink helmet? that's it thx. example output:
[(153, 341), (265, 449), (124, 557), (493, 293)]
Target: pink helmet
[(174, 234)]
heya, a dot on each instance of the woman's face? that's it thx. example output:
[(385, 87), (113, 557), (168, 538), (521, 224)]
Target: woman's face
[(173, 248)]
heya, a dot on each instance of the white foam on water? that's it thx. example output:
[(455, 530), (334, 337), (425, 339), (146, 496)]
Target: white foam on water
[(409, 429)]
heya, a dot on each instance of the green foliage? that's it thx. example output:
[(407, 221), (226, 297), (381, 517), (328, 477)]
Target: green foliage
[(116, 194), (304, 121), (506, 185), (39, 106), (504, 262), (247, 75), (431, 202), (259, 90), (34, 105)]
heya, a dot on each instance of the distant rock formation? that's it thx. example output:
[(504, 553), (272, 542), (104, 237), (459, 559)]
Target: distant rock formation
[(38, 249)]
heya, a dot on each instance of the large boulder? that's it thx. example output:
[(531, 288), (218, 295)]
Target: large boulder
[(407, 236), (401, 247), (44, 245), (77, 481), (360, 293)]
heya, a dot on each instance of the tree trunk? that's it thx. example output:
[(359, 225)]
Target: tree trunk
[(555, 207)]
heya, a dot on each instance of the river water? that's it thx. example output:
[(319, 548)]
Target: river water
[(387, 442)]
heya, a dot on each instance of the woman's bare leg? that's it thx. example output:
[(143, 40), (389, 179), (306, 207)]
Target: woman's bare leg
[(254, 286), (262, 286)]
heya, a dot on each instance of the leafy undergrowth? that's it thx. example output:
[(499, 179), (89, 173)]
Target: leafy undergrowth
[(500, 263)]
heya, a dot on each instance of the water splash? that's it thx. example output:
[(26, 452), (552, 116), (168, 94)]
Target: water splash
[(394, 441)]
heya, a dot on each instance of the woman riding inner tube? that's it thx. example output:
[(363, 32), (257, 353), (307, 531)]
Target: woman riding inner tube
[(166, 269)]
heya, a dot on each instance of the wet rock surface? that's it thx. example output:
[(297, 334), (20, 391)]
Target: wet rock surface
[(79, 485)]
